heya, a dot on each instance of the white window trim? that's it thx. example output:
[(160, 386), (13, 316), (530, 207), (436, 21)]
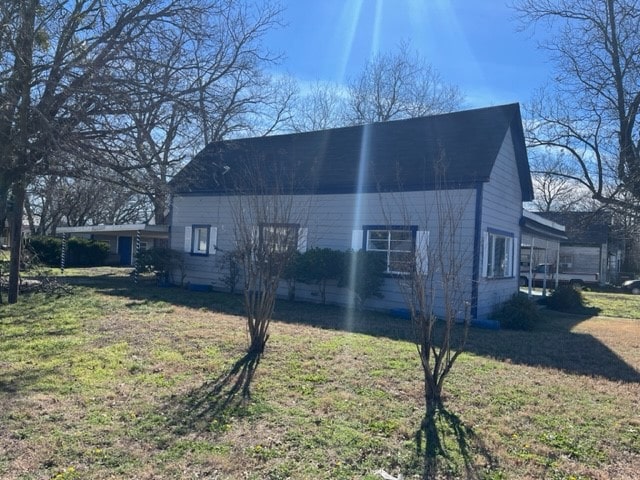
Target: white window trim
[(301, 234), (190, 239), (487, 254), (420, 244)]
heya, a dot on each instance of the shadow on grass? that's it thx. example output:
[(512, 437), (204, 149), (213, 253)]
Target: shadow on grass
[(209, 407), (552, 344), (18, 381), (456, 445)]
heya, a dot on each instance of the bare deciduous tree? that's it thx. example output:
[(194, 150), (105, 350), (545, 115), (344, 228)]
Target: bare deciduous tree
[(59, 81), (79, 79), (437, 293), (590, 110), (189, 84), (553, 187), (269, 229), (398, 85)]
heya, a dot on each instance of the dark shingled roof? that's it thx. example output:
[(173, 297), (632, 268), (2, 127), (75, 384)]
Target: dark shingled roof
[(399, 155)]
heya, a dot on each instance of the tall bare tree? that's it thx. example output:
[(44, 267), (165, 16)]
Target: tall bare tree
[(398, 85), (590, 110), (190, 85), (554, 192), (59, 65), (71, 73)]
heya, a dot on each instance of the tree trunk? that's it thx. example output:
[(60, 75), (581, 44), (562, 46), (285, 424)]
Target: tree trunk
[(430, 428), (16, 241), (159, 206)]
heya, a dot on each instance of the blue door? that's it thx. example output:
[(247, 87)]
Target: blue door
[(124, 250)]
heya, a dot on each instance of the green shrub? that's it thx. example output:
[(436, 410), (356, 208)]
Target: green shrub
[(86, 253), (80, 252), (47, 249), (565, 298), (518, 313), (164, 262), (290, 274), (318, 266), (368, 274)]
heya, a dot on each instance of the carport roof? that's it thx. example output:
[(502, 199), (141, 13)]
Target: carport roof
[(161, 231), (541, 227)]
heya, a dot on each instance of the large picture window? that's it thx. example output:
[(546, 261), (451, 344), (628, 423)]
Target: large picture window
[(499, 255), (395, 245)]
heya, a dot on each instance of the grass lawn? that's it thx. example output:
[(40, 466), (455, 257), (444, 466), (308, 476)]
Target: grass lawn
[(123, 381)]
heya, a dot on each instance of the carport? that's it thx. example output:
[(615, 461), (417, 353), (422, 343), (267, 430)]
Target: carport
[(125, 241), (539, 244)]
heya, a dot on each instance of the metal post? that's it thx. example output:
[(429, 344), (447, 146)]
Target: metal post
[(63, 253), (545, 269), (137, 261), (531, 267), (557, 266)]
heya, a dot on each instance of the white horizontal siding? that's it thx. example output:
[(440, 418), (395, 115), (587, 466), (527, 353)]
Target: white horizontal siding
[(501, 210), (330, 221)]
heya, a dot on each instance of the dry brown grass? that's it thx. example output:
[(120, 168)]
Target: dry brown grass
[(147, 383)]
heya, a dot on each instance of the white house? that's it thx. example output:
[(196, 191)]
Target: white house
[(372, 187)]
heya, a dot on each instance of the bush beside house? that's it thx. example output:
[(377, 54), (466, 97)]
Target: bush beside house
[(518, 313), (80, 252)]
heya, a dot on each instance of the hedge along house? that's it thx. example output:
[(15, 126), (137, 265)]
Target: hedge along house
[(371, 187)]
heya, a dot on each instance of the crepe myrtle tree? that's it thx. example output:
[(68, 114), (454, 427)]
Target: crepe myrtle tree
[(435, 286), (269, 229)]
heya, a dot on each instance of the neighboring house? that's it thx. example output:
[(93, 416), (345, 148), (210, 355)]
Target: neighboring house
[(122, 239), (590, 246), (369, 187)]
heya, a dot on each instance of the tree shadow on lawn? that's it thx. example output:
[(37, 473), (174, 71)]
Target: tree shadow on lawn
[(209, 407), (18, 381), (552, 344), (464, 448)]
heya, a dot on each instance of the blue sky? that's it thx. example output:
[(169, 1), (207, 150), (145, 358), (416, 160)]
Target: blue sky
[(472, 43)]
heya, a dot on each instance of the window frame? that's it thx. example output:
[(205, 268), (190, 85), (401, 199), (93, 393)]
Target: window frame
[(490, 258), (412, 229), (294, 243), (198, 252)]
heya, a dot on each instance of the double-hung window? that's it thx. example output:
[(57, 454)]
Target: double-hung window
[(498, 255), (396, 245), (279, 237)]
